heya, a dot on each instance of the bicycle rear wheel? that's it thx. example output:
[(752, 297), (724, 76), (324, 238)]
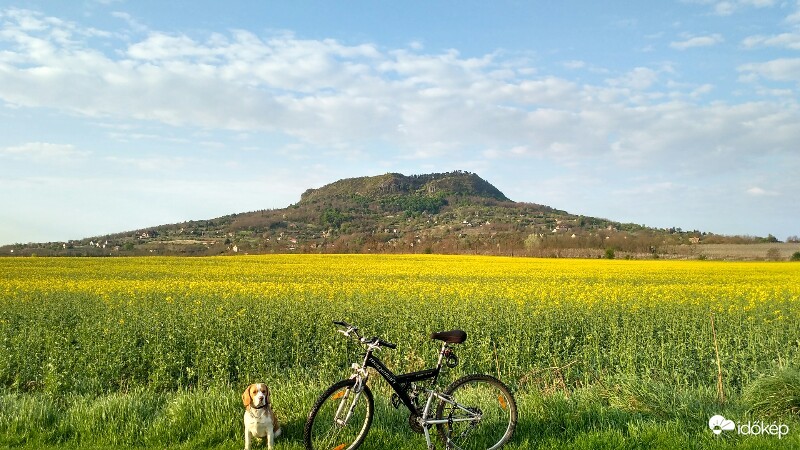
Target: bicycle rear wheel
[(481, 414), (340, 418)]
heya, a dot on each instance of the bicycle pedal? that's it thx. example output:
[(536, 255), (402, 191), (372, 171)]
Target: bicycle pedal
[(395, 401)]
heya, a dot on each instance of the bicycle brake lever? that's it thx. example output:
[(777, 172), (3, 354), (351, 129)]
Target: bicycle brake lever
[(350, 331)]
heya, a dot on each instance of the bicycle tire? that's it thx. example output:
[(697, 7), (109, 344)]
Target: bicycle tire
[(321, 432), (491, 400)]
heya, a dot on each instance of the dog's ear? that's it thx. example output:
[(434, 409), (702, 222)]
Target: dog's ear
[(246, 396)]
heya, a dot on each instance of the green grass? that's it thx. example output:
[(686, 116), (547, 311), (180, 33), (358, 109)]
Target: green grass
[(154, 352), (775, 395), (626, 415)]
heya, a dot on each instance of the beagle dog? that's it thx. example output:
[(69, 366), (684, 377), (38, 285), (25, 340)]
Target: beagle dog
[(259, 419)]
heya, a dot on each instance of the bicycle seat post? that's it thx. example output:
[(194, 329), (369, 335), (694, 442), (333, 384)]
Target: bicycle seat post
[(441, 355)]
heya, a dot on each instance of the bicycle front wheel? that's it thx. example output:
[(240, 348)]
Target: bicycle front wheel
[(480, 411), (340, 418)]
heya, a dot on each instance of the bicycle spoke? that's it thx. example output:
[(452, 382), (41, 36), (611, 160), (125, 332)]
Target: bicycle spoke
[(481, 414), (340, 419)]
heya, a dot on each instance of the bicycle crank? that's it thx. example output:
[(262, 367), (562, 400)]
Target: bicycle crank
[(414, 423)]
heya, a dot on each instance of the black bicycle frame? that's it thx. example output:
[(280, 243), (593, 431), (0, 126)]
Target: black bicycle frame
[(400, 383)]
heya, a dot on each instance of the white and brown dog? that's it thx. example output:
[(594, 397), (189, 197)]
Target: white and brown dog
[(259, 419)]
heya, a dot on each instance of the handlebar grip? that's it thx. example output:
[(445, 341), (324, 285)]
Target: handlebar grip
[(386, 344)]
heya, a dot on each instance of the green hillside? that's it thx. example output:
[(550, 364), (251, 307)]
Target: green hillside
[(454, 212)]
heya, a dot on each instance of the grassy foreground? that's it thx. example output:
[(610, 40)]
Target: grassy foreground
[(211, 418), (154, 352)]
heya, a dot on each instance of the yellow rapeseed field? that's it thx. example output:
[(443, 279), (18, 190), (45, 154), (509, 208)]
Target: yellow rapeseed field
[(96, 325)]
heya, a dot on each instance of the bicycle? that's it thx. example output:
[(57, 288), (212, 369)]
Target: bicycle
[(474, 412)]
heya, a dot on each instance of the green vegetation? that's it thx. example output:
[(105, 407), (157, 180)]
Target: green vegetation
[(442, 213), (413, 205), (633, 417), (775, 395), (154, 352), (332, 218)]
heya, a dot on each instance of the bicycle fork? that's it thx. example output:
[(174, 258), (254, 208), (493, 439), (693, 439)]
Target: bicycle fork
[(360, 375), (338, 419)]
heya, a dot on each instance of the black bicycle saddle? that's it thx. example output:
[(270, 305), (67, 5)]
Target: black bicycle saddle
[(451, 337)]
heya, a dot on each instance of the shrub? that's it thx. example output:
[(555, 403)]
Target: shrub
[(776, 394), (773, 254)]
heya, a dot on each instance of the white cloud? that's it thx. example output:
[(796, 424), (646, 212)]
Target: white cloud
[(757, 3), (783, 40), (638, 79), (783, 69), (697, 41), (160, 46), (794, 18), (789, 39), (44, 152), (361, 99), (150, 163), (728, 7), (132, 23), (649, 188), (575, 64), (724, 8), (760, 192)]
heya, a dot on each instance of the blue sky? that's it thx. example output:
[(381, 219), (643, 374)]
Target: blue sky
[(119, 115)]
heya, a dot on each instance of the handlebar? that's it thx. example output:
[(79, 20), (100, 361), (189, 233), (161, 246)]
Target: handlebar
[(383, 343), (366, 341)]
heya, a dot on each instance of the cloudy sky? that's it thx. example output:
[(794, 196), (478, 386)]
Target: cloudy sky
[(118, 115)]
